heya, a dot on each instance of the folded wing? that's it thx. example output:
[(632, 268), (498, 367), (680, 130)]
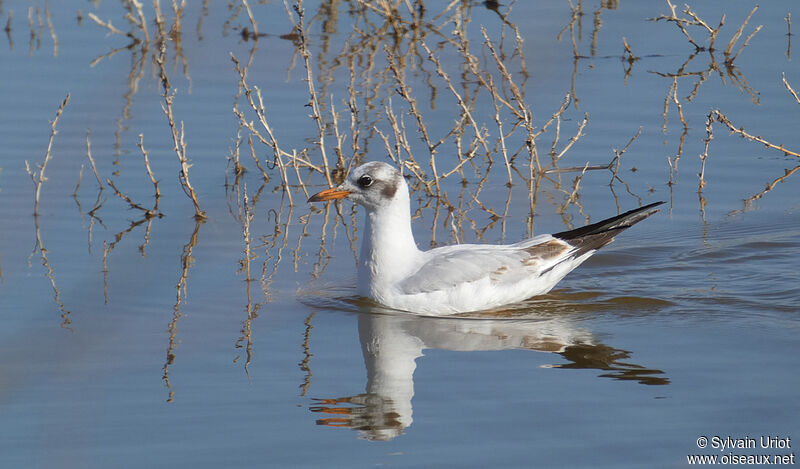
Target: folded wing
[(450, 266), (454, 265)]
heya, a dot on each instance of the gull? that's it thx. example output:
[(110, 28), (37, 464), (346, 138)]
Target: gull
[(460, 278)]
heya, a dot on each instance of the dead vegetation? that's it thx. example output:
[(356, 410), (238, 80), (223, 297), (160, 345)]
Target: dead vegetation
[(384, 57), (731, 52), (39, 178), (421, 84)]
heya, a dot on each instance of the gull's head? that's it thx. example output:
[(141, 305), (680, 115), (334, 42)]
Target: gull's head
[(373, 185)]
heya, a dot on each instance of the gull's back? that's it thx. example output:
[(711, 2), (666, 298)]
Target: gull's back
[(472, 277)]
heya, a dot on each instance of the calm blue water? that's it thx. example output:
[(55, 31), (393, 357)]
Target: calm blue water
[(136, 343)]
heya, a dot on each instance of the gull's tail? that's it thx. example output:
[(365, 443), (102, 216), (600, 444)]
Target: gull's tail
[(597, 235)]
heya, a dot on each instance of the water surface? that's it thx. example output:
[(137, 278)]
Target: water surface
[(131, 341)]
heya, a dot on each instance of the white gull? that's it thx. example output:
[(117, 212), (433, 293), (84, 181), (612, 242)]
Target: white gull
[(460, 278)]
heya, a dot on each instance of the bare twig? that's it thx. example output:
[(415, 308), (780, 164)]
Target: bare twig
[(405, 92), (110, 27), (573, 196), (157, 192), (78, 186), (706, 143), (177, 133), (39, 178), (717, 115), (253, 22), (618, 157), (574, 138), (463, 105), (140, 22), (744, 44), (282, 159), (681, 23), (789, 87), (628, 55), (735, 38), (314, 100), (253, 155)]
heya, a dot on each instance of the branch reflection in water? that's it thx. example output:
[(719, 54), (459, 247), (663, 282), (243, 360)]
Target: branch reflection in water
[(187, 262), (38, 178), (392, 341)]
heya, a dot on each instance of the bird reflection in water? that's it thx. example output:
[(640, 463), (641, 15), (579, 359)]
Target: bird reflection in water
[(391, 344)]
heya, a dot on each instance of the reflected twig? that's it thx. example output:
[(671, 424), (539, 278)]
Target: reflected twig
[(127, 198), (66, 321), (187, 261), (36, 36), (770, 185), (628, 58), (274, 245), (244, 266), (7, 29), (38, 179), (789, 36), (97, 203), (77, 187), (305, 364), (51, 28)]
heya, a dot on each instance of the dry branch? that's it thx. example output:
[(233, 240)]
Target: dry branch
[(314, 99), (157, 191), (735, 38), (177, 133), (789, 87), (718, 116), (39, 178)]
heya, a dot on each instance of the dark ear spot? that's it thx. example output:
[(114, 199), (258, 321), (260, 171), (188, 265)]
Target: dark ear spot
[(389, 188)]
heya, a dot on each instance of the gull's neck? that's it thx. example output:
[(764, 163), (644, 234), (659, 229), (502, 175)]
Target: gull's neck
[(388, 252)]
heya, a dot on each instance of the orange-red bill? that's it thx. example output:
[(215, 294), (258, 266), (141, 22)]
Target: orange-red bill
[(329, 194)]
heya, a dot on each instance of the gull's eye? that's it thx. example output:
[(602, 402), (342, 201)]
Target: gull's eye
[(365, 181)]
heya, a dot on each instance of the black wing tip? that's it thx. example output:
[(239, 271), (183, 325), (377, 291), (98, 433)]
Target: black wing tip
[(649, 206), (615, 224)]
